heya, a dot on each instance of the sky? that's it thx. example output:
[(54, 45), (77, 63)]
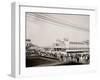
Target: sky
[(44, 29)]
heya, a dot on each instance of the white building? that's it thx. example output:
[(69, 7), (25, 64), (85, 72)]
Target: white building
[(69, 45)]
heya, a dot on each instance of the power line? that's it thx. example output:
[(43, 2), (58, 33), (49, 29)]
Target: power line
[(58, 22)]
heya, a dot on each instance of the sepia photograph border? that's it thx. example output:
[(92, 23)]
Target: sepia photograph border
[(18, 68)]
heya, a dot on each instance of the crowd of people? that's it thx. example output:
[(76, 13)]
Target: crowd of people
[(62, 56)]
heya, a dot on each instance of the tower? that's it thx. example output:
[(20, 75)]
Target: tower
[(66, 41)]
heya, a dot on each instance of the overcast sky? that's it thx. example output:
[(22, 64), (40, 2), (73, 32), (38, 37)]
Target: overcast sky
[(44, 29)]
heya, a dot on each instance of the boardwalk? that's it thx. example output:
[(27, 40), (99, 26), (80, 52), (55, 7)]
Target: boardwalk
[(40, 61)]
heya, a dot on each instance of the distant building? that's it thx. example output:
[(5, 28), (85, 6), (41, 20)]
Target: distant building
[(78, 45), (65, 44)]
